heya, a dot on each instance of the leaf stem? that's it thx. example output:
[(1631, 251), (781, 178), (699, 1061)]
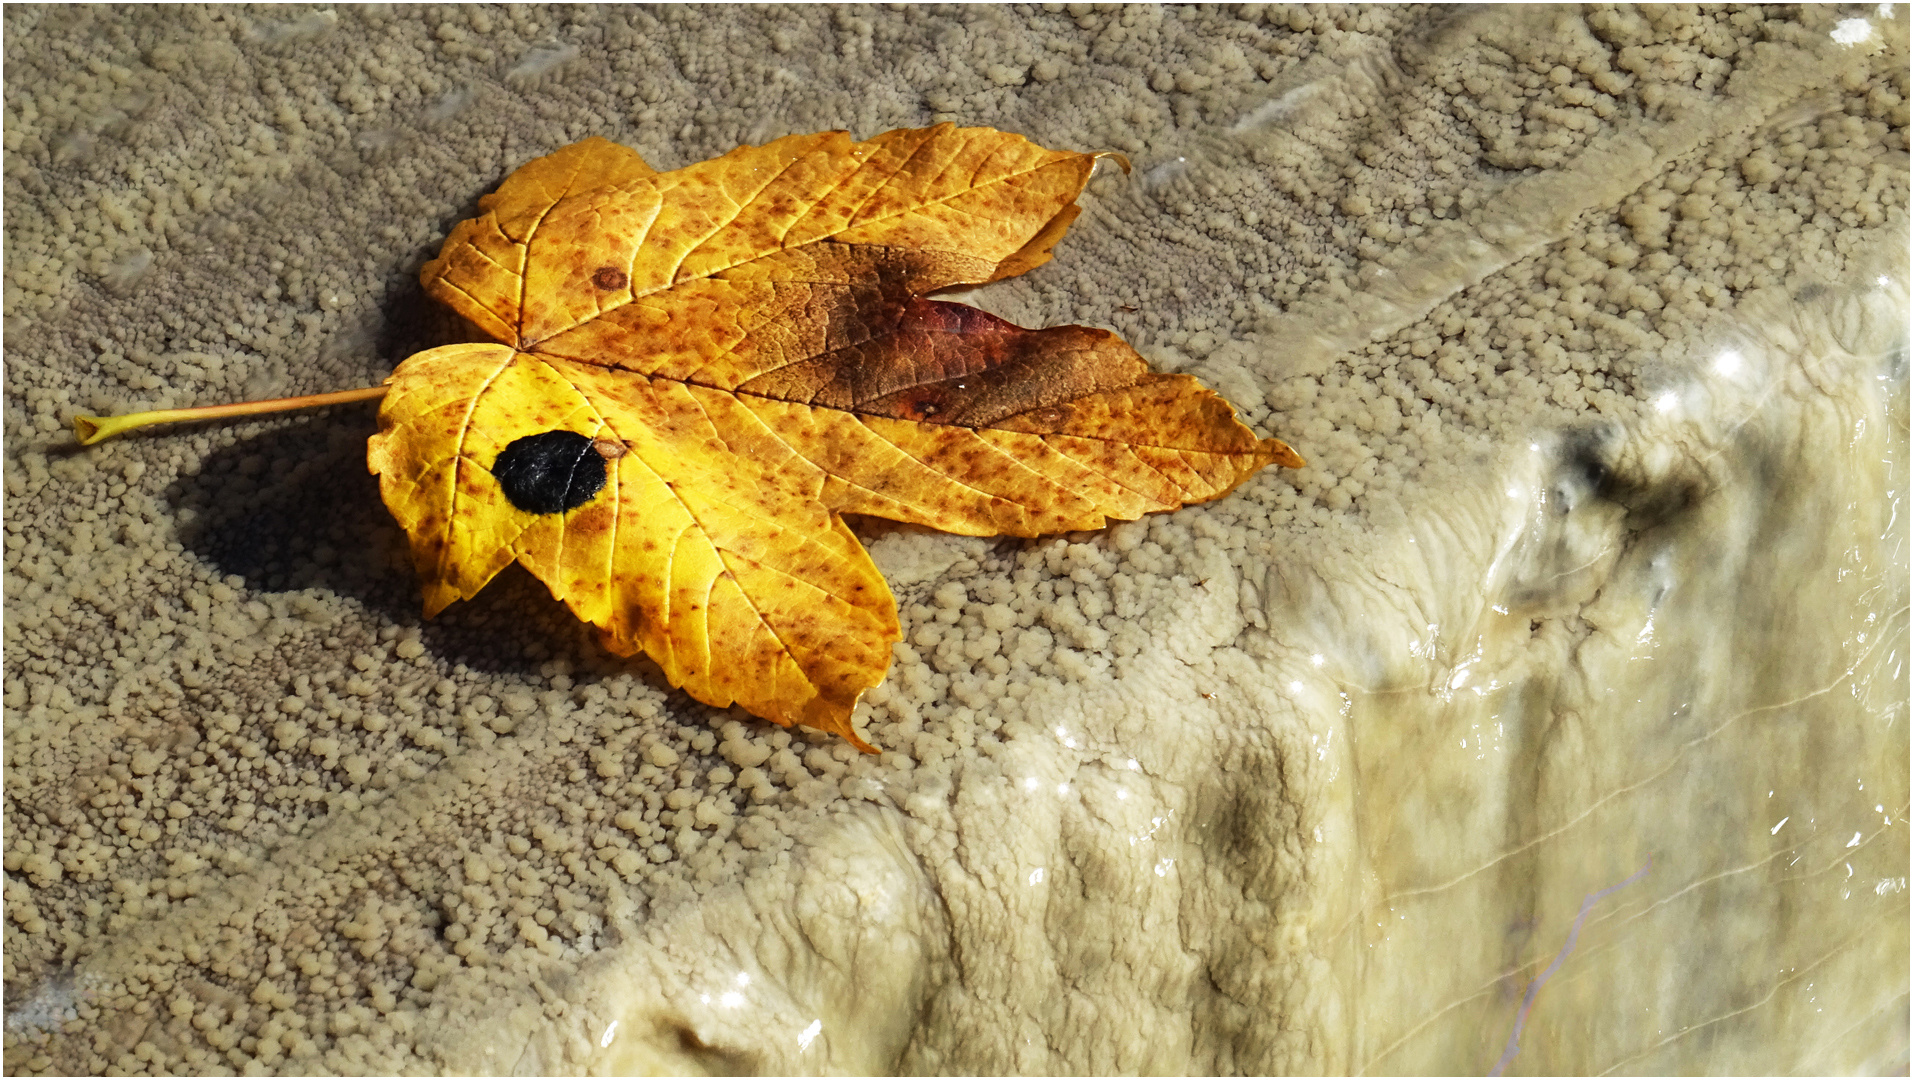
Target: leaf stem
[(92, 429)]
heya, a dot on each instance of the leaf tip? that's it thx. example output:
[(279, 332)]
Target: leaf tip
[(1280, 453), (828, 714), (88, 429), (437, 597)]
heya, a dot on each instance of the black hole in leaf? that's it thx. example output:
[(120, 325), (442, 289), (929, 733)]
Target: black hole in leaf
[(550, 473)]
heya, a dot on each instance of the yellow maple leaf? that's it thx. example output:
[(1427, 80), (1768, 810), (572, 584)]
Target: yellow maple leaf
[(695, 374)]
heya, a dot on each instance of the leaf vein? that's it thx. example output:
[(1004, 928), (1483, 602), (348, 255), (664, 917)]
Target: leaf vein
[(476, 302), (459, 454), (954, 480), (1138, 458)]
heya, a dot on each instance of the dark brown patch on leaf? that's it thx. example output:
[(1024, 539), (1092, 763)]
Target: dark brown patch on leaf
[(551, 472)]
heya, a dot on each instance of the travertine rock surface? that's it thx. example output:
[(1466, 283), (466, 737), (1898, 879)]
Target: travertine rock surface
[(1553, 719)]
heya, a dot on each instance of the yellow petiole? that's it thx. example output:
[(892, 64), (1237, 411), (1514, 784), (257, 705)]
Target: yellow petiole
[(92, 429)]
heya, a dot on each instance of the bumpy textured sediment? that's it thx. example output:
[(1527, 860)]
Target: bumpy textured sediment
[(1590, 325)]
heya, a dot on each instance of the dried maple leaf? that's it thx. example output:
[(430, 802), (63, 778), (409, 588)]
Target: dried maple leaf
[(698, 372)]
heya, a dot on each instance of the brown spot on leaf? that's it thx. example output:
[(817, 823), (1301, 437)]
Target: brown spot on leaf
[(610, 278)]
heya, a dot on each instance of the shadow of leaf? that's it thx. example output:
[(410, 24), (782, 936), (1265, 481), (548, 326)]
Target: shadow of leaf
[(293, 509)]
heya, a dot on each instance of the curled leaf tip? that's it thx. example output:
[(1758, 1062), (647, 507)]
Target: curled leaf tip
[(1281, 453)]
